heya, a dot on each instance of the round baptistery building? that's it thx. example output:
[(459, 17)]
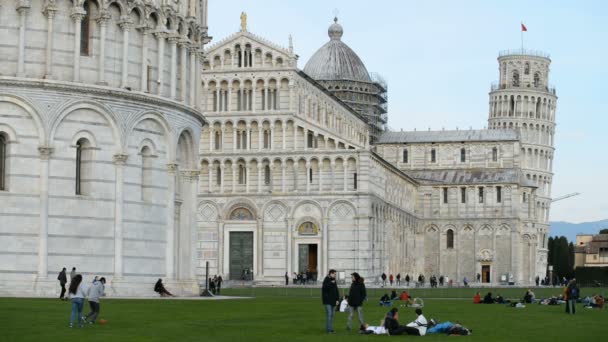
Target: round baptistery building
[(99, 132)]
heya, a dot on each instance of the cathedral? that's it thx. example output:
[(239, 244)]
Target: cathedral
[(133, 149)]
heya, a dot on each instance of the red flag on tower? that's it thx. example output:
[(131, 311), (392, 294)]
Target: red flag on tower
[(524, 28)]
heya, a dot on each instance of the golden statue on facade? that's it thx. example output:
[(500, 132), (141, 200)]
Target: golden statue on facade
[(243, 22)]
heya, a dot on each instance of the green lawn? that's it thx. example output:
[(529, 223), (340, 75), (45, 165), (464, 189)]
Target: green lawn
[(288, 315)]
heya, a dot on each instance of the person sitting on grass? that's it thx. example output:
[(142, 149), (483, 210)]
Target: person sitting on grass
[(500, 300), (487, 299), (418, 326), (391, 323), (385, 300), (529, 297), (477, 298), (394, 295), (404, 296), (162, 291)]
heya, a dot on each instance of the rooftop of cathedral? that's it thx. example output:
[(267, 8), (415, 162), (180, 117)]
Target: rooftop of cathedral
[(470, 176), (336, 61), (447, 136)]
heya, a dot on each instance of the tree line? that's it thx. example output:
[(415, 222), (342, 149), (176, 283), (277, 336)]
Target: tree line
[(561, 256)]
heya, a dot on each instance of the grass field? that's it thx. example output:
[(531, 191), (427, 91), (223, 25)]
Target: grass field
[(294, 315)]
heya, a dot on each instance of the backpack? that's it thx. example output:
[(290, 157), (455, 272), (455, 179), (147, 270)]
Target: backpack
[(574, 292)]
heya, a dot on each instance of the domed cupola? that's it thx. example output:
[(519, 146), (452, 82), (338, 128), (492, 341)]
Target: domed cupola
[(335, 60)]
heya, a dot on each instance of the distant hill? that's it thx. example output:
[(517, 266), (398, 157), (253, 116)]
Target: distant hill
[(569, 230)]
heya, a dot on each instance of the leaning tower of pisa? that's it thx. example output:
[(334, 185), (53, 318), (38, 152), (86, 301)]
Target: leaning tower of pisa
[(523, 100)]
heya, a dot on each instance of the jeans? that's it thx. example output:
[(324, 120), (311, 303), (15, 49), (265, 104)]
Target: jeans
[(571, 306), (351, 313), (329, 317), (92, 316), (77, 304)]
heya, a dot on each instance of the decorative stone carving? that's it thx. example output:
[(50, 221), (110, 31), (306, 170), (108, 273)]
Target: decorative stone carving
[(485, 255)]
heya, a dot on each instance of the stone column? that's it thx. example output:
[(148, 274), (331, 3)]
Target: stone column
[(125, 25), (325, 248), (283, 172), (307, 176), (306, 139), (173, 82), (198, 79), (271, 138), (171, 213), (77, 14), (266, 98), (183, 44), (193, 76), (193, 178), (223, 133), (234, 178), (284, 142), (234, 147), (345, 175), (247, 134), (242, 106), (253, 96), (49, 11), (295, 136), (333, 175), (321, 175), (260, 136), (222, 177), (230, 96), (247, 170), (161, 61), (260, 170), (290, 223), (260, 247), (291, 97), (119, 162), (23, 7), (45, 155), (103, 19), (144, 59), (210, 177)]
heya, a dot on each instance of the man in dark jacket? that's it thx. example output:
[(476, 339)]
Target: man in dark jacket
[(63, 279), (330, 296), (356, 296)]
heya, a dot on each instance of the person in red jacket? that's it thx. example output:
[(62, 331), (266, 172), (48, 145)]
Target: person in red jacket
[(391, 278), (477, 298)]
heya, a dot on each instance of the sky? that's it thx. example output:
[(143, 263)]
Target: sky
[(439, 59)]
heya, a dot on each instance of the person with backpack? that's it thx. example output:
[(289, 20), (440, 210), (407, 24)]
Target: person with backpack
[(330, 296), (63, 279), (356, 295), (76, 293), (573, 294), (96, 291)]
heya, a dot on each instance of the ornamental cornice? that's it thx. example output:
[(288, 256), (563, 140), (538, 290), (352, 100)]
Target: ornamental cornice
[(172, 168), (23, 5), (115, 93)]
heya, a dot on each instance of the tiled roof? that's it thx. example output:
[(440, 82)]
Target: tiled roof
[(448, 136)]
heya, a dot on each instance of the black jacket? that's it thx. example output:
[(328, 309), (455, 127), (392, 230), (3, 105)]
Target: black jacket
[(62, 277), (329, 291), (357, 294)]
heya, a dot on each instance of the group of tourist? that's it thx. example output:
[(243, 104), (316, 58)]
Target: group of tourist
[(215, 284), (78, 292), (390, 325)]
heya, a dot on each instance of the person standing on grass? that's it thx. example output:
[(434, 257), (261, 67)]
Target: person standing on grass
[(96, 291), (76, 294), (72, 274), (63, 279), (220, 280), (573, 293), (391, 278), (330, 296), (356, 295)]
